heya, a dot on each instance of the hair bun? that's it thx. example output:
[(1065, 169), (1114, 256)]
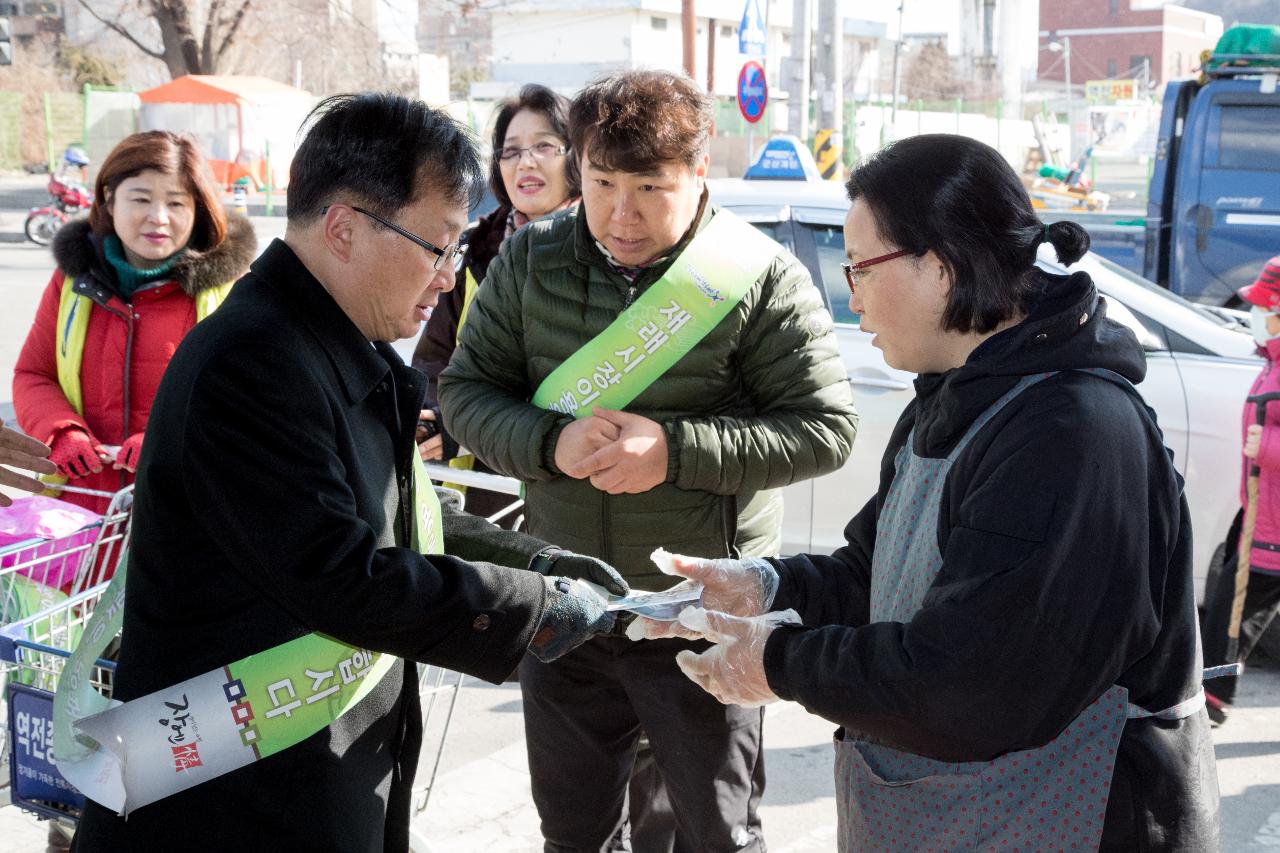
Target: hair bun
[(1069, 240)]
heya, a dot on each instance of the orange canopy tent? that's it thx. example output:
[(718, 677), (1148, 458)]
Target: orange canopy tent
[(237, 120)]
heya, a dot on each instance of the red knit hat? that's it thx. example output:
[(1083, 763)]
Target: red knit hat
[(1265, 292)]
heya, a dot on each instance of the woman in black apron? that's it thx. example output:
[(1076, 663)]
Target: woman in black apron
[(1008, 640)]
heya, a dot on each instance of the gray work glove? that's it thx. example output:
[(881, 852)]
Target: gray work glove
[(557, 561), (574, 614)]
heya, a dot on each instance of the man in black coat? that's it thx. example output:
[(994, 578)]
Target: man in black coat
[(273, 499)]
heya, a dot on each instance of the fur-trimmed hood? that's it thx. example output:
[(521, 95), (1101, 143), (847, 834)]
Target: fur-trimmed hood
[(78, 251)]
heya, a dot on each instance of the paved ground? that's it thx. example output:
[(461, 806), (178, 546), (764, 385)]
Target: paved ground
[(481, 800)]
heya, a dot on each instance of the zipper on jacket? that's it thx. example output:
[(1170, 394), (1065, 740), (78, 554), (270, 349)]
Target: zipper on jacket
[(604, 528), (631, 295)]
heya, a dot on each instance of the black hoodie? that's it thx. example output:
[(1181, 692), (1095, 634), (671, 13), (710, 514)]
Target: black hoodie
[(1066, 548)]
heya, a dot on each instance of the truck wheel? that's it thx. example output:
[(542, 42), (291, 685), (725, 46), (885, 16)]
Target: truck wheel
[(1269, 645)]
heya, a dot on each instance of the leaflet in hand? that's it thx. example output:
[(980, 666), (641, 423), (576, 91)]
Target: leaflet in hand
[(664, 606)]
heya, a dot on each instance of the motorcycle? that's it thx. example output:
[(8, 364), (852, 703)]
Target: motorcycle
[(66, 199)]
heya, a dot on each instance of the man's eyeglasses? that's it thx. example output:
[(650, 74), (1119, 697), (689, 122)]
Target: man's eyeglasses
[(444, 256), (853, 272), (539, 150)]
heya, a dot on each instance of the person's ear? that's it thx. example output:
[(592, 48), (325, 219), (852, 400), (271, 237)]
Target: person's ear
[(700, 170), (336, 229)]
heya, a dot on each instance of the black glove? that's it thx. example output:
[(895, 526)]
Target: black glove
[(557, 561), (574, 614)]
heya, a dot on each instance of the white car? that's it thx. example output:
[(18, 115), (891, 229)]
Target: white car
[(1200, 366)]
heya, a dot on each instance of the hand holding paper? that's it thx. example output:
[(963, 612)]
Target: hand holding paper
[(733, 669), (737, 587)]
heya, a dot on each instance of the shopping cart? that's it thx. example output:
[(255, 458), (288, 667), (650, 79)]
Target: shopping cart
[(41, 627)]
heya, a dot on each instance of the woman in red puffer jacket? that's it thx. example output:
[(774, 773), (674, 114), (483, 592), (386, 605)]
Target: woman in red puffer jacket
[(157, 253)]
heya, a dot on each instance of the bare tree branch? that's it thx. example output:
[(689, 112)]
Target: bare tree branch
[(229, 36), (206, 42), (115, 27)]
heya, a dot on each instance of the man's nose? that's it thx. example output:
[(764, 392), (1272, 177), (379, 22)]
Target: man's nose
[(624, 209), (445, 278)]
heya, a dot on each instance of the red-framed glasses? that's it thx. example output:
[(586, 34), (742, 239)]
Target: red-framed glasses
[(853, 272)]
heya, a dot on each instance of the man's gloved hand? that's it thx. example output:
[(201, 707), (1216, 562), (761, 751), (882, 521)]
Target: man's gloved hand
[(574, 613), (737, 587), (129, 453), (733, 669), (77, 453), (557, 561)]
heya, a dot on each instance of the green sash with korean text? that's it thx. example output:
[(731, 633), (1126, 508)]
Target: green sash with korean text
[(708, 279), (126, 755)]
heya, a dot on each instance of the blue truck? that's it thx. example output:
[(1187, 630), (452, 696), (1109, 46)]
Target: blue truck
[(1213, 209)]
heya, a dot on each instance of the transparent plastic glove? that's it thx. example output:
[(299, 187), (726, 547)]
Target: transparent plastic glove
[(557, 561), (737, 587), (733, 669), (76, 453), (575, 613)]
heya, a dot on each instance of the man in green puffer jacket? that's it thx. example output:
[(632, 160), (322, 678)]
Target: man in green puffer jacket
[(693, 463)]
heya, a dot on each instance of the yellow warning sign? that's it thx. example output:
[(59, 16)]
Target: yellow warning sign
[(826, 152)]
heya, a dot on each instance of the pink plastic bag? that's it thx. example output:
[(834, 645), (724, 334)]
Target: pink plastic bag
[(67, 531)]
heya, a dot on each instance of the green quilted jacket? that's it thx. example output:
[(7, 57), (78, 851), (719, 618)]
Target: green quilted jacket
[(761, 402)]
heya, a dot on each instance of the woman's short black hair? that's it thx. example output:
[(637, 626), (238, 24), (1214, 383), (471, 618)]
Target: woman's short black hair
[(383, 150), (959, 198), (555, 109)]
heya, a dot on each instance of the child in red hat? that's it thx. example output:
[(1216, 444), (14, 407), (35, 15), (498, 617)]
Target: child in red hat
[(1261, 447)]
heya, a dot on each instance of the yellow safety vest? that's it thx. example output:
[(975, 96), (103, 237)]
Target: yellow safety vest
[(73, 328)]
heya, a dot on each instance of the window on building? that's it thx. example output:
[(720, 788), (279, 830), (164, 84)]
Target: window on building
[(8, 10), (658, 23), (1111, 69), (726, 31), (1247, 137), (1115, 6), (1139, 64)]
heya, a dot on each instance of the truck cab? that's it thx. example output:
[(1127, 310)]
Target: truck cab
[(1213, 211)]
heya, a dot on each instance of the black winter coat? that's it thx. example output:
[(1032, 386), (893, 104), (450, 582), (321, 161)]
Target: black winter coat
[(268, 506), (1066, 550)]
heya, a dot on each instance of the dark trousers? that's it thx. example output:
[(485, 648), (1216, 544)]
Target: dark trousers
[(583, 717), (1261, 605)]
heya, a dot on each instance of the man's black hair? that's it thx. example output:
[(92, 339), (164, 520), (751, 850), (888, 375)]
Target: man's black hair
[(960, 198), (382, 151)]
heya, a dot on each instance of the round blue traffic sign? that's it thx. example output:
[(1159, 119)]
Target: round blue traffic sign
[(753, 91)]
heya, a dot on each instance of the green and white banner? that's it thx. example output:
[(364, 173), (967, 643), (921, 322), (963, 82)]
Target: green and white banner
[(125, 756), (718, 267)]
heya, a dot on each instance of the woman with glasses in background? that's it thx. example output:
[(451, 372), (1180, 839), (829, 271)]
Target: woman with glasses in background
[(532, 175)]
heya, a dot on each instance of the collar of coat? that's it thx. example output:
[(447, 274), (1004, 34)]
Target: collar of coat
[(589, 253), (361, 366), (1066, 328), (77, 252)]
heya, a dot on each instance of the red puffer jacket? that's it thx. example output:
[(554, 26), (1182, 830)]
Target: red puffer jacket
[(127, 347)]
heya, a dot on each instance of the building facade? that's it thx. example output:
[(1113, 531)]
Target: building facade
[(1149, 40)]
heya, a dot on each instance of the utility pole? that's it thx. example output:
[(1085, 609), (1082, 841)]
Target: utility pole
[(831, 90), (897, 58), (798, 85), (711, 56), (689, 28)]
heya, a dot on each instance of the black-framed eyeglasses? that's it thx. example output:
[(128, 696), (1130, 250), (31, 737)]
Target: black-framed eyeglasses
[(853, 272), (539, 151), (447, 255)]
